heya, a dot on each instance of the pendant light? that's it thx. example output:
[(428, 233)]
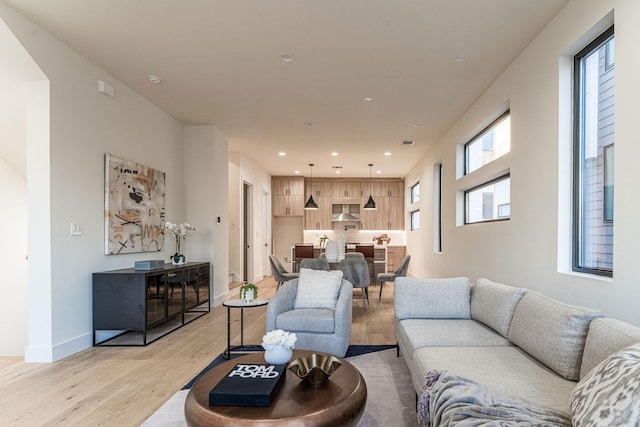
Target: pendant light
[(371, 204), (311, 204)]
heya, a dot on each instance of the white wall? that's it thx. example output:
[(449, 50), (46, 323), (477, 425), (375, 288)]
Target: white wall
[(207, 198), (72, 135), (531, 249), (13, 251)]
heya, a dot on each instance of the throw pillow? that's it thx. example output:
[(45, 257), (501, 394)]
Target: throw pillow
[(609, 395), (552, 332), (493, 304), (446, 298), (318, 288)]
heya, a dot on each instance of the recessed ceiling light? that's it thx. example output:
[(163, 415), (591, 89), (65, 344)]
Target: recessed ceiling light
[(334, 154), (338, 171), (460, 58), (387, 153), (368, 99), (309, 124), (418, 125), (287, 57), (296, 172), (282, 154), (156, 80), (378, 172)]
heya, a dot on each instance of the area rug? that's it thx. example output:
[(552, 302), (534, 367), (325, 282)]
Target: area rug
[(390, 396)]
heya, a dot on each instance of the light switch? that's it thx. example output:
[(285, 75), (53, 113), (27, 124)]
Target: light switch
[(76, 229)]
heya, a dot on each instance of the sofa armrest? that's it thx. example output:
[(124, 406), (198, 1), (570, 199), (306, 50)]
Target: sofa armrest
[(432, 298), (343, 310), (281, 301)]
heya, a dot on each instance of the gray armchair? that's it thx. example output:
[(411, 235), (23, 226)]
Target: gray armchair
[(280, 274), (317, 329), (401, 271)]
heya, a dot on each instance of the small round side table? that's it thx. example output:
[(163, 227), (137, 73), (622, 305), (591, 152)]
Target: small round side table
[(238, 303)]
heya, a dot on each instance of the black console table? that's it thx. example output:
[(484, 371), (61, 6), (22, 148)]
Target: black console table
[(145, 305)]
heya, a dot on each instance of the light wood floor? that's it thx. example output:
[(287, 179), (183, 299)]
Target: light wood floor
[(122, 386)]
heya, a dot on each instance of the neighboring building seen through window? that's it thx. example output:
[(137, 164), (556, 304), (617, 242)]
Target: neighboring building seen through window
[(488, 145), (593, 208), (489, 202)]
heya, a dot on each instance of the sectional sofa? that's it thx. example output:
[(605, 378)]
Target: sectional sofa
[(508, 345)]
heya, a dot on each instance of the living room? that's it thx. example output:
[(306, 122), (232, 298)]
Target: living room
[(65, 181)]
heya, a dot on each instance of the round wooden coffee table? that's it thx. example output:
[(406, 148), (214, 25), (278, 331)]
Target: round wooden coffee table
[(338, 402)]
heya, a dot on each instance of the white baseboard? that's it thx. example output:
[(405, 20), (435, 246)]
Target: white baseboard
[(49, 354)]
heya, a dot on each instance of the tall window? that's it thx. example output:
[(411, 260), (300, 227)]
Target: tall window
[(488, 145), (594, 69)]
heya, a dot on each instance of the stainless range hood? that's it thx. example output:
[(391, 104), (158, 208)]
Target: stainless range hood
[(345, 212)]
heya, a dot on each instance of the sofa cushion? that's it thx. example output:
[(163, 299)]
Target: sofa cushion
[(318, 288), (608, 394), (605, 337), (413, 334), (508, 369), (432, 298), (552, 332), (494, 303), (307, 320)]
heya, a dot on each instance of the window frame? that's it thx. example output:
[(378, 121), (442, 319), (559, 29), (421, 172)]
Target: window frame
[(479, 186), (411, 195), (601, 41), (411, 213), (465, 151)]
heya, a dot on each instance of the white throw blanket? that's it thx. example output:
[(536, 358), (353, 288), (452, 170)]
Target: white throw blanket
[(447, 400)]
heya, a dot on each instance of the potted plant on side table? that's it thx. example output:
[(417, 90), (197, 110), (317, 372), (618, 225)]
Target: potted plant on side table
[(248, 292)]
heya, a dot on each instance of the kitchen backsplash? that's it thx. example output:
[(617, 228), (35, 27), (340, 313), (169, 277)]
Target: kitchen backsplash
[(354, 236)]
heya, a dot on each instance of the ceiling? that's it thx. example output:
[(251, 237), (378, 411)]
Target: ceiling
[(365, 75)]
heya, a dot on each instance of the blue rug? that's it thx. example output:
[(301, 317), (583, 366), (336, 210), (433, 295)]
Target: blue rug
[(353, 350)]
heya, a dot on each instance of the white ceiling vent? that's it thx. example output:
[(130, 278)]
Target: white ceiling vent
[(408, 142)]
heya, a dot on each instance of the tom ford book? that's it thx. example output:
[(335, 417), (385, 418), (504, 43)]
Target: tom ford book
[(248, 385)]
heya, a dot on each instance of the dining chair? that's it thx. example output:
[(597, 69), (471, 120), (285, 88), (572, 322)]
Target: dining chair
[(401, 271), (300, 252), (280, 274), (366, 250), (356, 271), (315, 264)]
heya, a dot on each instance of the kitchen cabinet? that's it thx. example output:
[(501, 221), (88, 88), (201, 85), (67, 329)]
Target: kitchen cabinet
[(348, 188), (148, 304), (389, 214), (395, 254), (319, 219), (287, 196)]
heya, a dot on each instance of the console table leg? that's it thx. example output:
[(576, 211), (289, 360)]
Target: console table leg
[(227, 354)]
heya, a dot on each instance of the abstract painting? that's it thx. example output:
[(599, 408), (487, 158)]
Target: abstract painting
[(134, 207)]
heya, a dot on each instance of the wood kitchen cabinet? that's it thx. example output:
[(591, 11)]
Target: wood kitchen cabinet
[(287, 195), (395, 254), (319, 219), (349, 188)]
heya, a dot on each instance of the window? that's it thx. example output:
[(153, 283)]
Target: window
[(437, 207), (415, 192), (493, 142), (593, 209), (415, 220), (489, 202)]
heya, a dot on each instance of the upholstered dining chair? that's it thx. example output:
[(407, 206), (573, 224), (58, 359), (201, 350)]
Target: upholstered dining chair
[(401, 271), (356, 271), (280, 274), (315, 264), (354, 255)]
